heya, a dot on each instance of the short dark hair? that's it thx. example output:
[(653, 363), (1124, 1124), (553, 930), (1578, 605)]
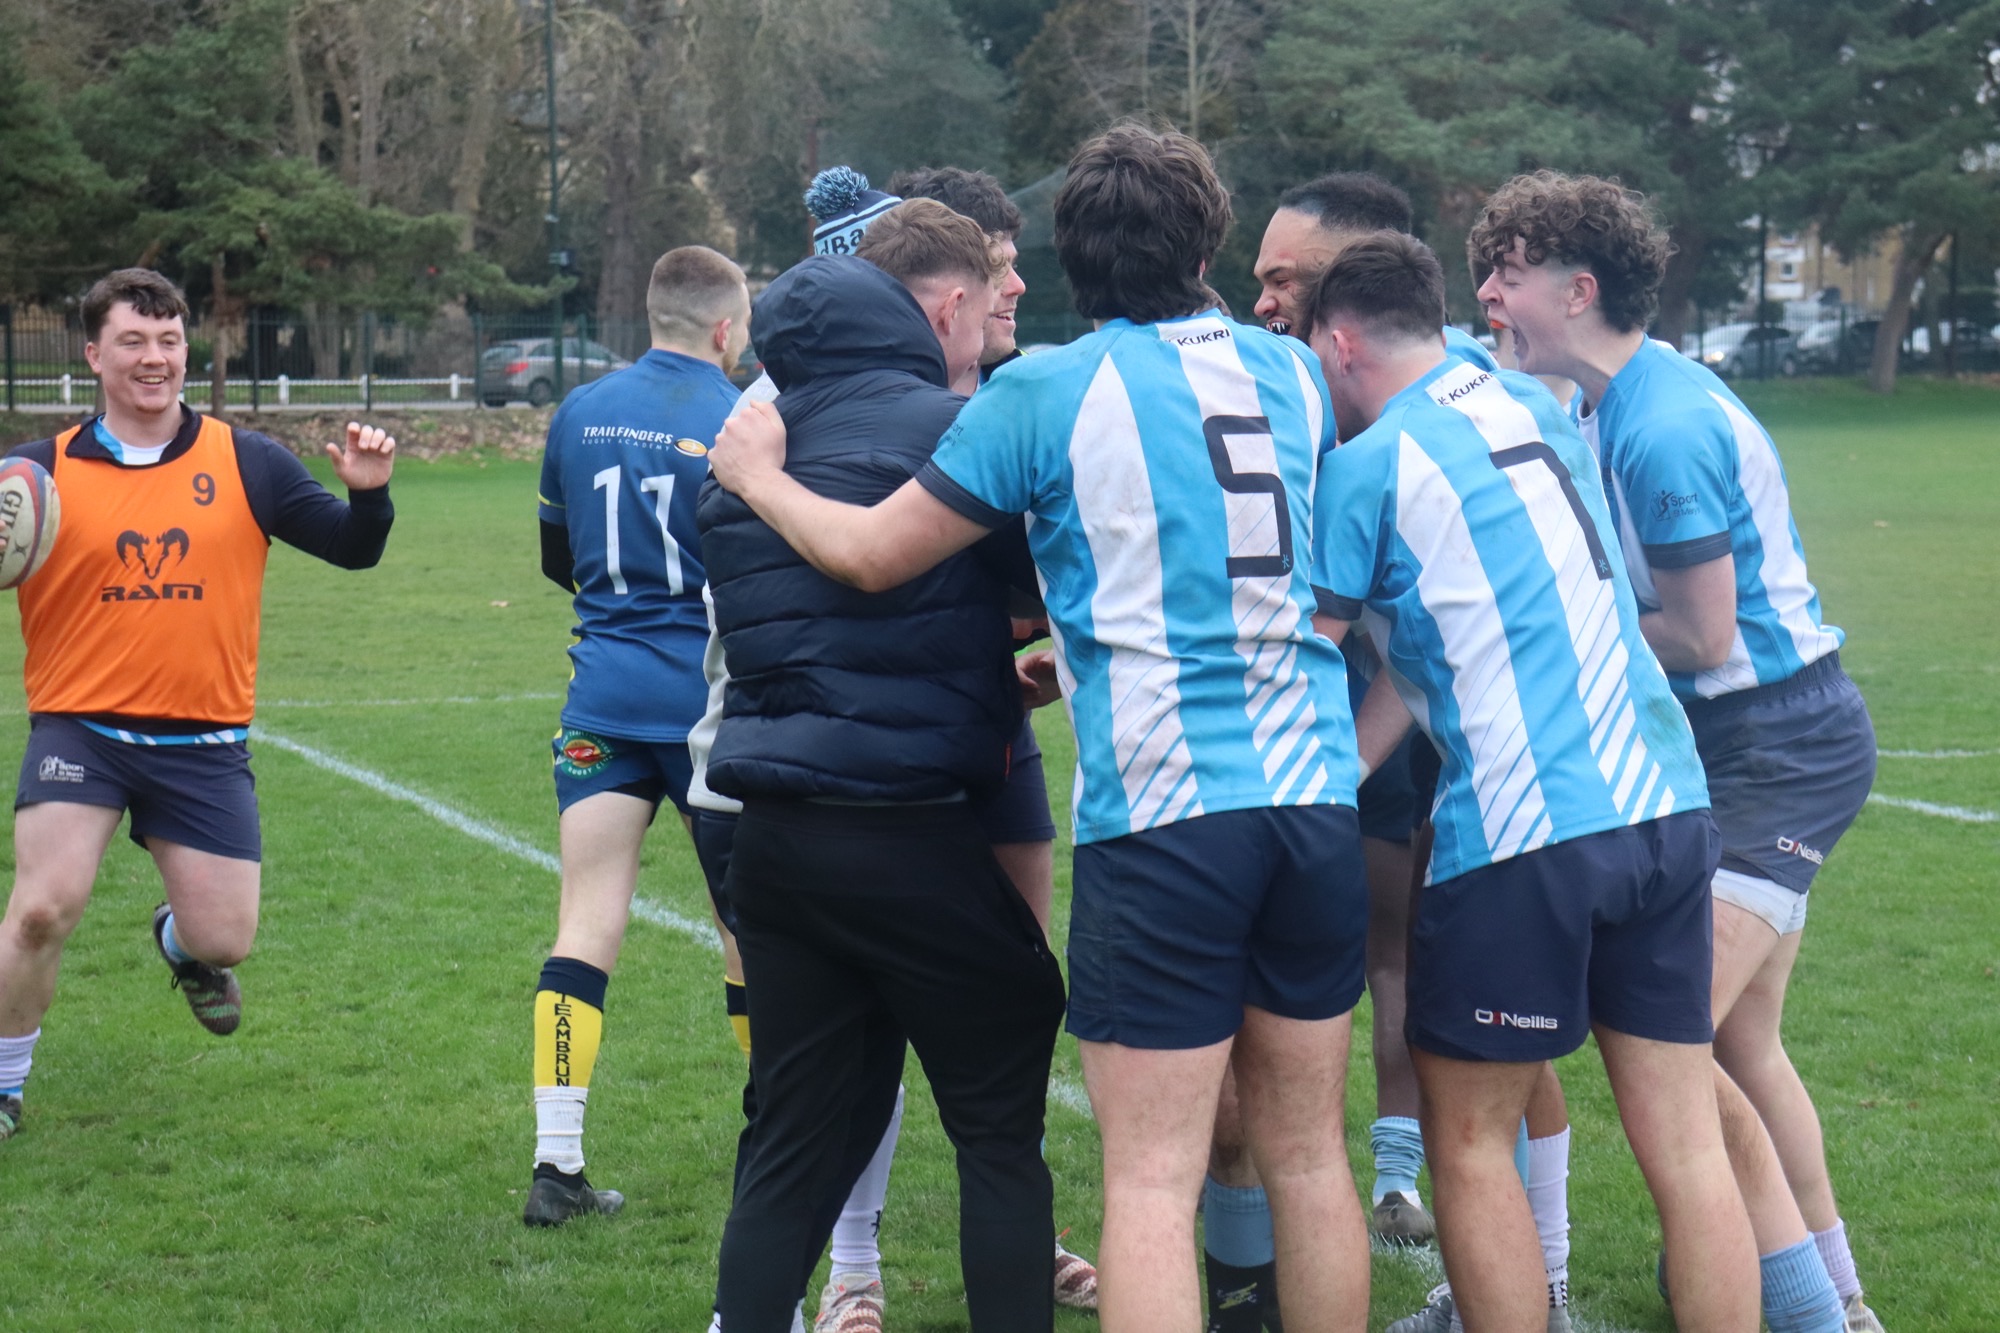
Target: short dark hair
[(1388, 279), (1351, 201), (921, 238), (1585, 221), (1139, 214), (974, 193), (692, 289), (141, 288)]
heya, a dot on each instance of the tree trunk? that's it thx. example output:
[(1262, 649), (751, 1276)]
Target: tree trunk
[(621, 283), (219, 315), (1691, 246), (1911, 262)]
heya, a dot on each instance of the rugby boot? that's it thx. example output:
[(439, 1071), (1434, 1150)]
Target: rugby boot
[(10, 1116), (851, 1303), (1076, 1280), (1435, 1317), (556, 1197), (211, 992), (1860, 1319), (1401, 1220)]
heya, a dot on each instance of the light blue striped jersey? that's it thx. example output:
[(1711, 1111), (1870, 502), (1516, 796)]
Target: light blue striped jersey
[(1468, 530), (1692, 477), (1167, 471)]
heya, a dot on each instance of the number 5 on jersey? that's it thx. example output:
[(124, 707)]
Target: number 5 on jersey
[(661, 488)]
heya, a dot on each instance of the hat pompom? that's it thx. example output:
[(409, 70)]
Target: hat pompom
[(835, 192)]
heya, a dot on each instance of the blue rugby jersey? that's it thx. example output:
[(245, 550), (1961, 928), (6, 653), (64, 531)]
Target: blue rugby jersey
[(1167, 473), (625, 460), (1459, 343), (1467, 527), (1692, 477)]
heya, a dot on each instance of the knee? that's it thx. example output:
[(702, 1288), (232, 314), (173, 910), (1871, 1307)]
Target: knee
[(43, 923), (219, 943)]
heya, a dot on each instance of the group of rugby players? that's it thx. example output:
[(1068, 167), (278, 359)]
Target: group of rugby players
[(1564, 649)]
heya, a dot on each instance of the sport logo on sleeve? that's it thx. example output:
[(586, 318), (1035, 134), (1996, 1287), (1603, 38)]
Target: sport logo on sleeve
[(1668, 505)]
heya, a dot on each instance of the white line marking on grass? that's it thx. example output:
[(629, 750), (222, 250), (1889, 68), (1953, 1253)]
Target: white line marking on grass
[(408, 703), (1937, 754), (1067, 1093), (1957, 812), (644, 908)]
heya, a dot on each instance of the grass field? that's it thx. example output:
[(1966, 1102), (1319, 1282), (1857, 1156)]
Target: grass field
[(354, 1156)]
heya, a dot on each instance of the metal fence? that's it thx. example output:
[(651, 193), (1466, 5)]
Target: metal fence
[(283, 360), (279, 360)]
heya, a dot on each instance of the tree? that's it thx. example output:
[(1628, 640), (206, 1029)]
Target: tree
[(929, 99), (1891, 128), (1449, 100), (46, 185)]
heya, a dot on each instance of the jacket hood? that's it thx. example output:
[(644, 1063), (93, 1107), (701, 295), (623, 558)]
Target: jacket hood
[(837, 315)]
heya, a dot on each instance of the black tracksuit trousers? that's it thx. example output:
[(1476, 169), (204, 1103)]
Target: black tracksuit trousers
[(860, 927)]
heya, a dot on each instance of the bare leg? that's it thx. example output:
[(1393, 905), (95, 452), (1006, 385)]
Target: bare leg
[(1291, 1076), (1229, 1159), (1472, 1114), (601, 836), (1155, 1113), (1548, 1112), (1032, 867), (1390, 870), (1677, 1137), (57, 847), (214, 900)]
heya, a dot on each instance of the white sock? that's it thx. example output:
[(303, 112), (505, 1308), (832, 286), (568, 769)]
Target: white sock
[(855, 1235), (1831, 1244), (16, 1055), (1548, 1196), (559, 1127), (798, 1320)]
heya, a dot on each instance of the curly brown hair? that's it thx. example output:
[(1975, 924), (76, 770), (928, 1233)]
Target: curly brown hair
[(145, 291), (1585, 221)]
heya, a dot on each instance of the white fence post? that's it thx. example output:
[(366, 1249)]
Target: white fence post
[(65, 389), (454, 386), (284, 390)]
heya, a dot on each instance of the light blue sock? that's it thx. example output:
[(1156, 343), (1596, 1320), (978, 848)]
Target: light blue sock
[(1399, 1154), (1521, 1153), (1798, 1295), (1236, 1225), (171, 946)]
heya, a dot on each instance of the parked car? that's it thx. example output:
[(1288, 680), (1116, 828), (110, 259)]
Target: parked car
[(1735, 350), (525, 368)]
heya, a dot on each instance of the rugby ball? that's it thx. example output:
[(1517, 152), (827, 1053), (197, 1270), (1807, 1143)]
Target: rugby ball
[(29, 514)]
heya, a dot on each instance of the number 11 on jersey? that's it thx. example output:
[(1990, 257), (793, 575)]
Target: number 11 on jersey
[(661, 488)]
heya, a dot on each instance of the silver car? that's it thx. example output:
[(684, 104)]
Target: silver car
[(525, 368)]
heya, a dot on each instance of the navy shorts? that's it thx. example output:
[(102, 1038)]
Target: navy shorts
[(199, 796), (587, 763), (1019, 811), (1514, 961), (1174, 930), (1789, 767)]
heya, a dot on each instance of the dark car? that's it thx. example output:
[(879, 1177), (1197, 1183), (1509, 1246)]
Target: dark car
[(526, 368)]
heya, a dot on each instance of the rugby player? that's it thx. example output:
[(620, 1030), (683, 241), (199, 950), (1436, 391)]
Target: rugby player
[(1567, 885), (1312, 224), (626, 456), (142, 636), (857, 728), (1705, 524), (1219, 902)]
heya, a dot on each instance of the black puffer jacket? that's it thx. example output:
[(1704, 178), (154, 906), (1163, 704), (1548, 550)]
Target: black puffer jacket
[(906, 695)]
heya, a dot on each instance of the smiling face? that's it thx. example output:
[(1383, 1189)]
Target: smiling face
[(141, 360), (1296, 250), (1000, 333)]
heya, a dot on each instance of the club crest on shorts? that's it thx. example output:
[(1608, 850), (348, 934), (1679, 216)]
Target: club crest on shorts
[(582, 754)]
